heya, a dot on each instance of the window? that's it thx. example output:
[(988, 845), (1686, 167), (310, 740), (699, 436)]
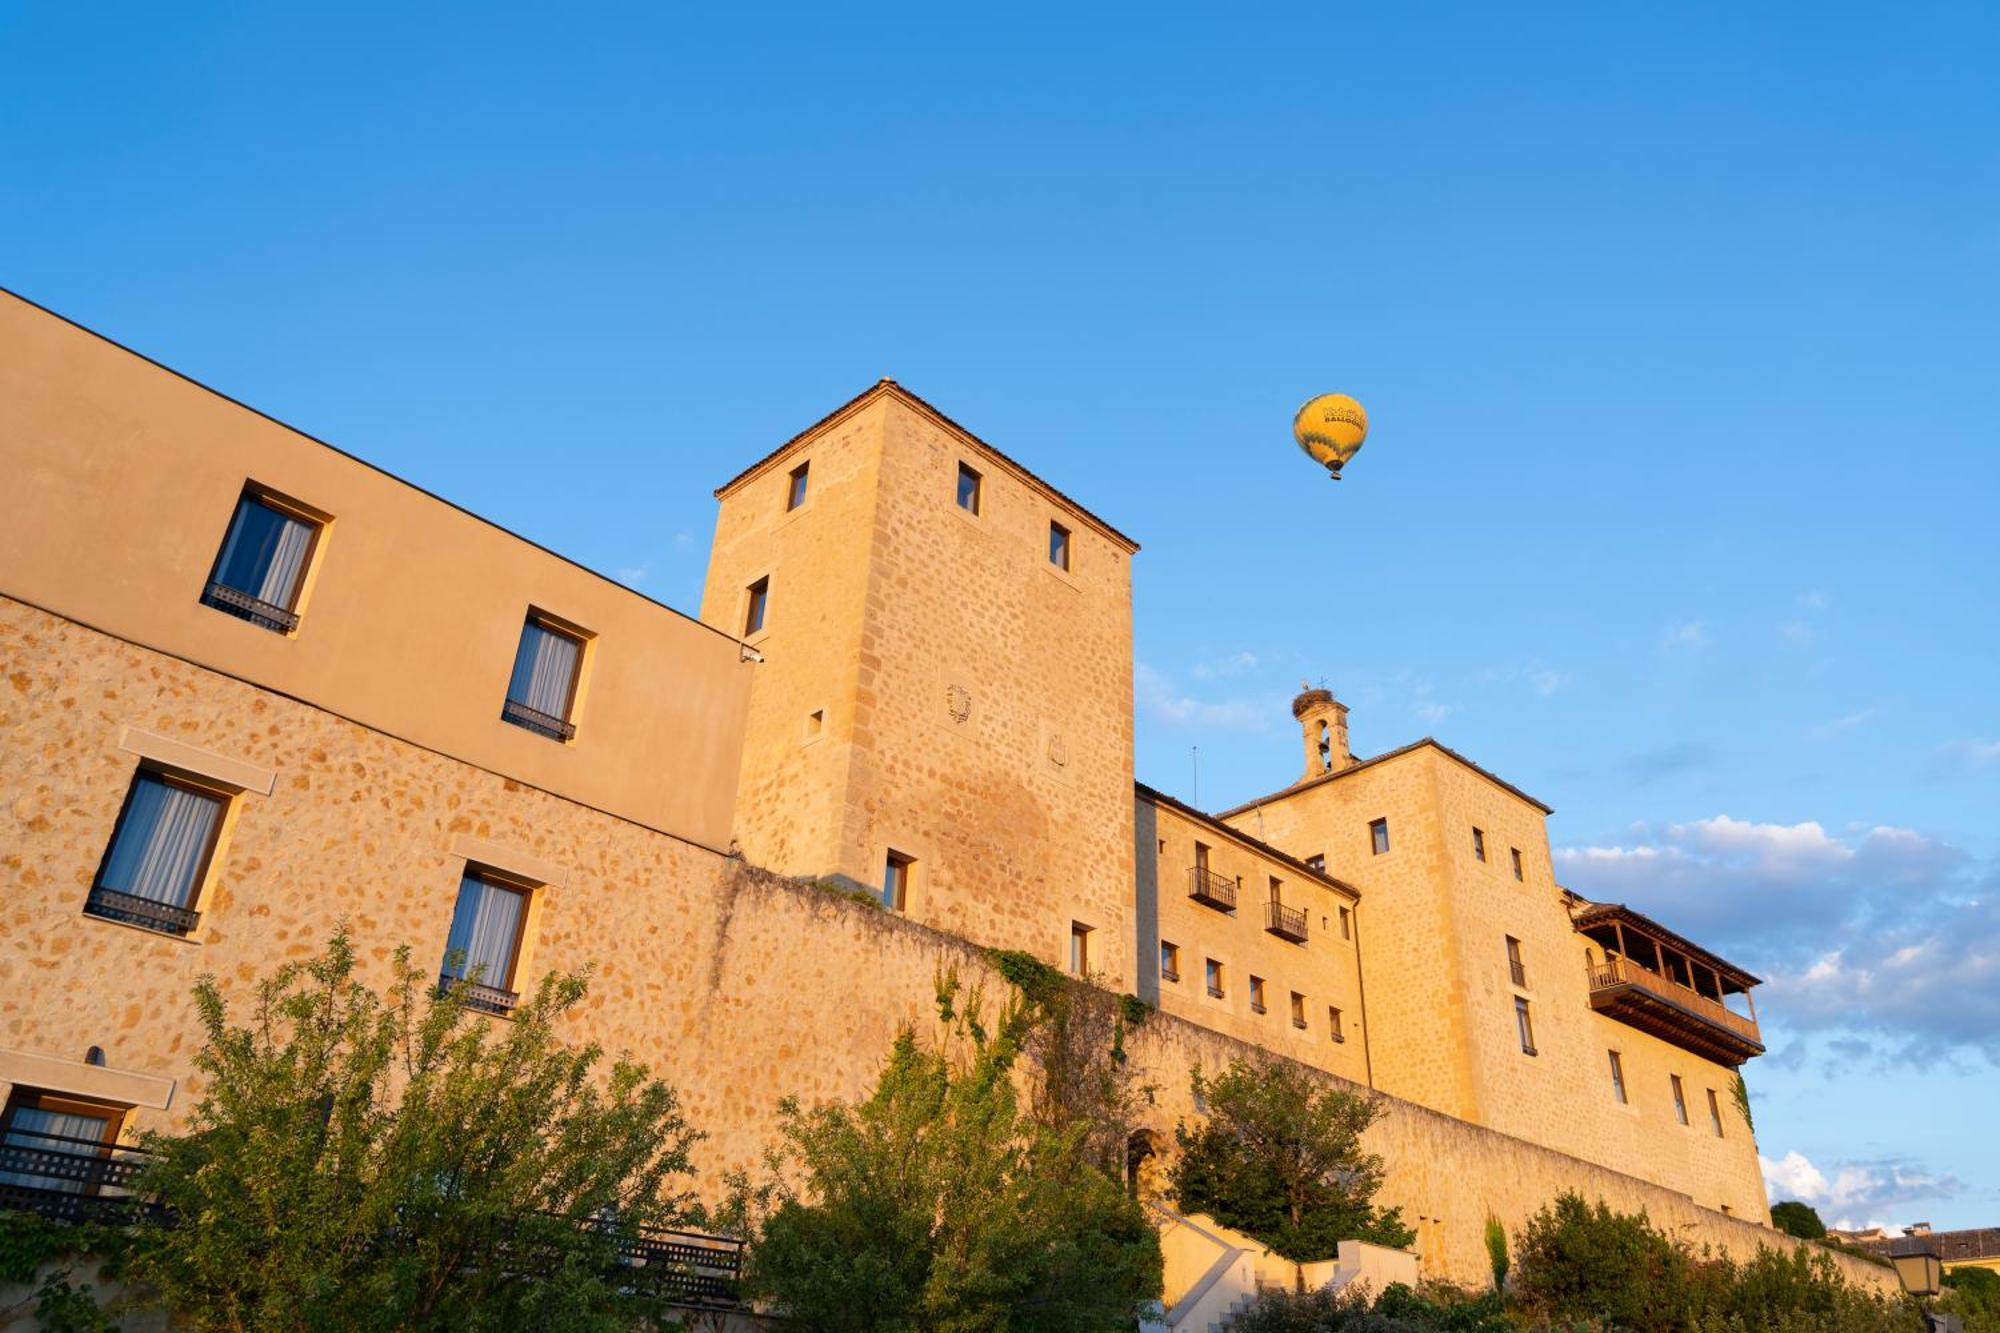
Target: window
[(1079, 949), (1201, 857), (1479, 844), (1378, 835), (815, 723), (1515, 853), (159, 854), (1317, 861), (1170, 961), (1298, 1011), (1526, 1025), (1618, 1078), (1346, 924), (1714, 1113), (262, 564), (1059, 546), (1215, 978), (795, 492), (485, 940), (1680, 1099), (758, 602), (542, 689), (1333, 1024), (66, 1142), (1516, 969), (896, 882), (968, 490), (1256, 995)]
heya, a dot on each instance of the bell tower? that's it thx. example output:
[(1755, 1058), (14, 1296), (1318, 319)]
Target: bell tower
[(1323, 726)]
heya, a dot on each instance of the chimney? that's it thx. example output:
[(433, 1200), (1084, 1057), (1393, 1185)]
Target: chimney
[(1323, 720)]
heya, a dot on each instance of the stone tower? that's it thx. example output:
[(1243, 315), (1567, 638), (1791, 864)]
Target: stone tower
[(1323, 725), (943, 710)]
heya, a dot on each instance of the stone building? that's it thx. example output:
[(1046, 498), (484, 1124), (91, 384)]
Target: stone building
[(251, 686)]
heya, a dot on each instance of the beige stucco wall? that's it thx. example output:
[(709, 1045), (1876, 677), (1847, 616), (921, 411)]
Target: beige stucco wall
[(736, 984), (122, 477), (1440, 991), (1324, 968), (977, 700)]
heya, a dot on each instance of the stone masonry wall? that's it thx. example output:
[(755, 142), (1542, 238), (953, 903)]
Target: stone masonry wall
[(738, 985)]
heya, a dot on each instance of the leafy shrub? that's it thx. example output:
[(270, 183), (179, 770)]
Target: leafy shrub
[(1798, 1219)]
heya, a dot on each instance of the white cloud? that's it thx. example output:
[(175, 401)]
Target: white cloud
[(1158, 696), (1856, 1193), (631, 574), (1814, 600), (1221, 669), (1691, 637), (684, 541), (1546, 682), (1432, 713), (1967, 756), (1837, 725)]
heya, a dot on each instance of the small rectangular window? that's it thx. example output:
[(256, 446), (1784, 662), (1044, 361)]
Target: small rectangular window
[(159, 854), (1515, 852), (968, 489), (1715, 1113), (795, 492), (1298, 1011), (1618, 1078), (896, 882), (1680, 1099), (485, 940), (1079, 949), (1479, 844), (1346, 924), (756, 605), (1214, 972), (542, 690), (1059, 546), (1516, 968), (1317, 861), (1256, 995), (1378, 835), (1170, 961), (1334, 1025), (262, 564), (1525, 1024), (1201, 856)]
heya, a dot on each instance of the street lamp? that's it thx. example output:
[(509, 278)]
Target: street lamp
[(1921, 1271)]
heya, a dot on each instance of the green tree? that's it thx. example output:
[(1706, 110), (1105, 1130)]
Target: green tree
[(364, 1161), (1278, 1156), (1574, 1262), (1798, 1219), (939, 1204)]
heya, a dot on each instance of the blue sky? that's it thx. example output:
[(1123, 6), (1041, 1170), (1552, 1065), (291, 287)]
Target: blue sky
[(1677, 328)]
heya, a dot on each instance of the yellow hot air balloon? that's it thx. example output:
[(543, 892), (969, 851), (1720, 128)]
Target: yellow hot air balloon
[(1330, 428)]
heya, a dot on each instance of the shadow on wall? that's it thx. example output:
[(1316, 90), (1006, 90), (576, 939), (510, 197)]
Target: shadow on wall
[(1146, 903)]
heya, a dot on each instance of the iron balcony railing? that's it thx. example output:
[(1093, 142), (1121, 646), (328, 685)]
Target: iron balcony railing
[(1210, 889), (1287, 923), (486, 999), (1168, 972), (167, 918), (246, 607), (1624, 972), (534, 719), (71, 1180), (1518, 971)]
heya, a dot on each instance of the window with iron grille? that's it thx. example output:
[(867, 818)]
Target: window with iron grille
[(1170, 961), (261, 567), (160, 852), (541, 692), (483, 948)]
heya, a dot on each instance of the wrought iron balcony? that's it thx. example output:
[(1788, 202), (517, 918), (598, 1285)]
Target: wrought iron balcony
[(167, 918), (1210, 889), (1287, 923), (486, 999), (68, 1179), (243, 606), (534, 719), (1653, 1003)]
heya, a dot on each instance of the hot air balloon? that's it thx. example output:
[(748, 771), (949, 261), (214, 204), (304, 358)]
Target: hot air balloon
[(1330, 428)]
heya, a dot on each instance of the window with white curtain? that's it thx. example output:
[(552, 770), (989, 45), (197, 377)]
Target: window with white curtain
[(485, 939), (159, 854), (542, 690), (66, 1138), (262, 565)]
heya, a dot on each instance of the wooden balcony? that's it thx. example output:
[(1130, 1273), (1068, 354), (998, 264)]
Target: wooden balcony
[(1641, 997)]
